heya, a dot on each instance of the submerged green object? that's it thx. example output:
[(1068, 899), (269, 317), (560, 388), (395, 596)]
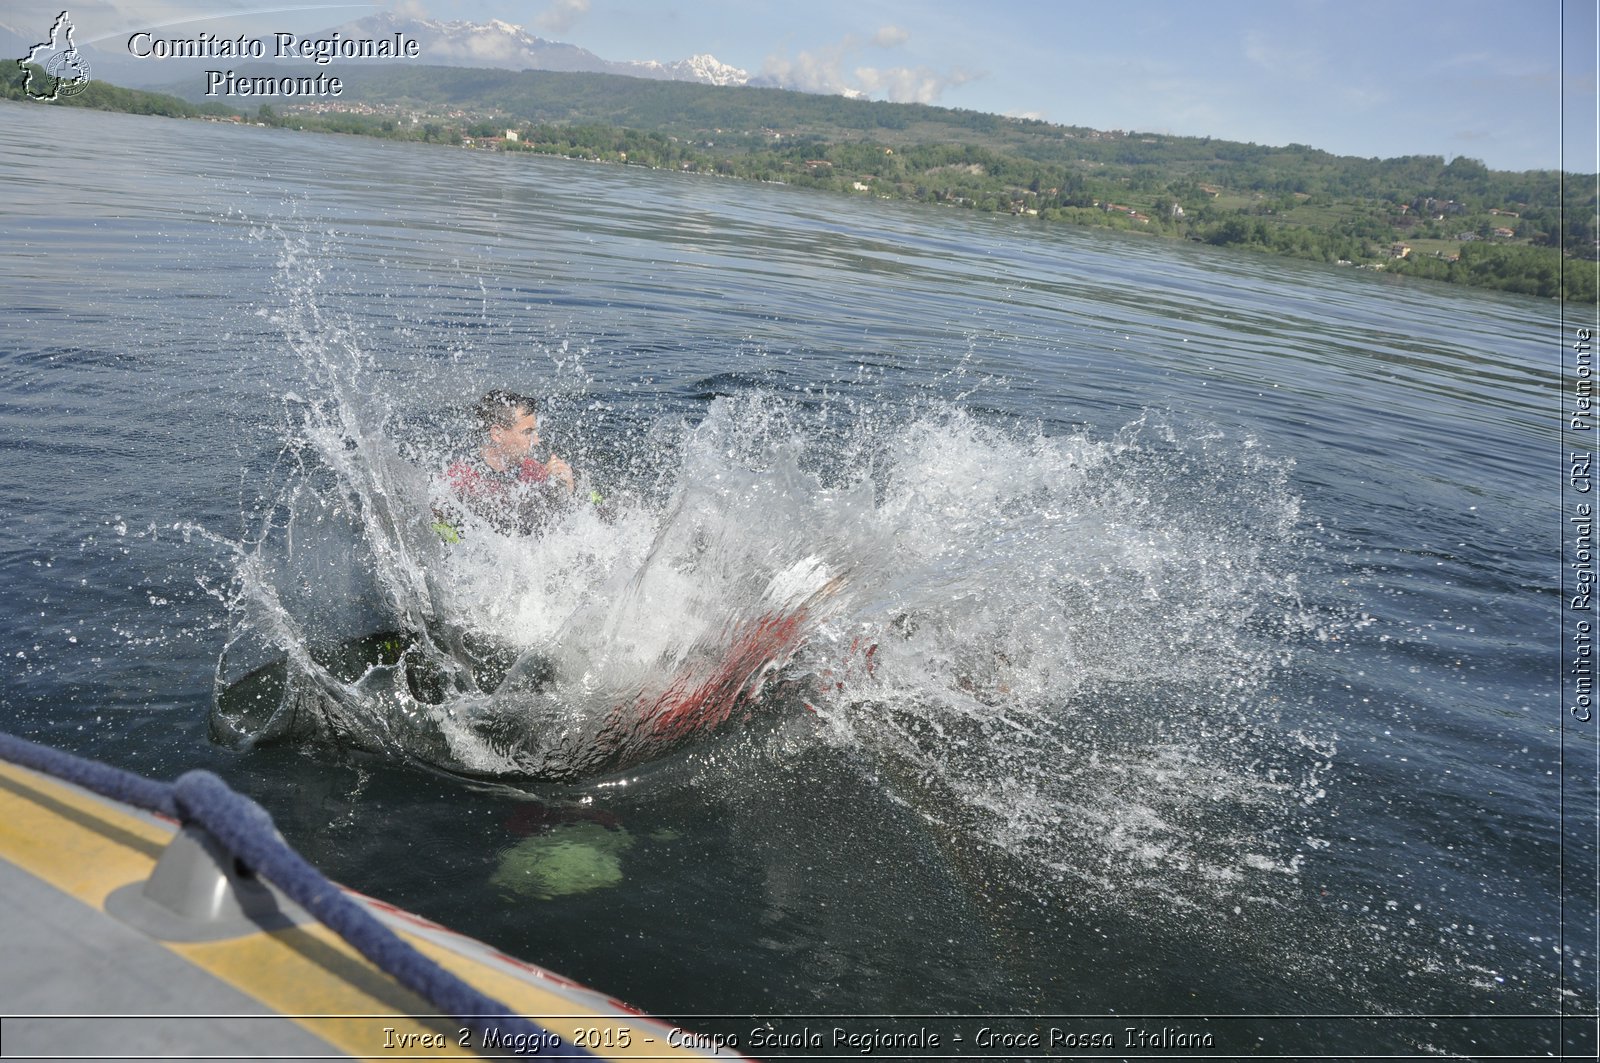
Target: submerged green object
[(572, 858)]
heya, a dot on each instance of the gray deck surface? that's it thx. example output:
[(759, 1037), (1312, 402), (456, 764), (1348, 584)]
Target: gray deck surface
[(59, 957)]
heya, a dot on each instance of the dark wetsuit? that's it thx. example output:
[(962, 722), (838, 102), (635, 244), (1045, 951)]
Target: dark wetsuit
[(518, 500)]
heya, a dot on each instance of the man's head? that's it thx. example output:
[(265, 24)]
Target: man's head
[(500, 407), (511, 422)]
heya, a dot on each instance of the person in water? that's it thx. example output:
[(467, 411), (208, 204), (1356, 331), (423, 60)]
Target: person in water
[(502, 482)]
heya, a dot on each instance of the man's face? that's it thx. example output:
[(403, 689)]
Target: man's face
[(516, 440)]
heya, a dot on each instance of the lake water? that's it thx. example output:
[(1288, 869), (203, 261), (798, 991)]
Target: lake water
[(1188, 658)]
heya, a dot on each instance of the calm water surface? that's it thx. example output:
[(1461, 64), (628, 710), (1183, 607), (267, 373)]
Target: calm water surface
[(1215, 598)]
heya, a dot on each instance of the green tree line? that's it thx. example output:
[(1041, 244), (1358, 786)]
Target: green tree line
[(1529, 232), (102, 96)]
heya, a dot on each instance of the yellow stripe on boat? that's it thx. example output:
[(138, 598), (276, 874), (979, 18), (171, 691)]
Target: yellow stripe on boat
[(84, 848)]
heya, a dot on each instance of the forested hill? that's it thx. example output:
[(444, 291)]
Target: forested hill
[(689, 110), (1456, 221)]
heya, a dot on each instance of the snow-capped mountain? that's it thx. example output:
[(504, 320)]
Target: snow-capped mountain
[(510, 47), (703, 68)]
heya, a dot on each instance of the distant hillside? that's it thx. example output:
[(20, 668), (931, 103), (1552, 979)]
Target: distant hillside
[(100, 96), (748, 117), (686, 109), (1459, 222)]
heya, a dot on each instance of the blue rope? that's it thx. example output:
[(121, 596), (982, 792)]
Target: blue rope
[(103, 779), (245, 829)]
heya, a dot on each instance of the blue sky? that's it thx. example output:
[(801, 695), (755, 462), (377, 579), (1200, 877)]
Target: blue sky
[(1480, 78)]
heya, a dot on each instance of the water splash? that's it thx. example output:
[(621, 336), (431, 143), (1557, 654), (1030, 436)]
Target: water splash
[(1058, 644)]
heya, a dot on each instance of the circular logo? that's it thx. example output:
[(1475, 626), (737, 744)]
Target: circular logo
[(70, 71)]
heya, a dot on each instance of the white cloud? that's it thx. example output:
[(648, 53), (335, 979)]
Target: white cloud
[(1280, 59), (903, 84), (818, 71), (562, 15), (890, 37), (825, 70), (483, 47)]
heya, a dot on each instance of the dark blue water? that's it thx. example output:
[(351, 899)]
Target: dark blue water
[(1215, 598)]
